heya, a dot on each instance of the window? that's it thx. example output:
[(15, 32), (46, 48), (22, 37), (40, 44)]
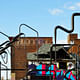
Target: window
[(27, 41), (31, 41), (41, 42), (44, 41), (62, 65), (47, 41)]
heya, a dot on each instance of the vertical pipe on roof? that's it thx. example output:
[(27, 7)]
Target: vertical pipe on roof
[(66, 30), (34, 31)]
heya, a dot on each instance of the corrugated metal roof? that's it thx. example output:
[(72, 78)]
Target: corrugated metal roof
[(31, 56), (46, 48)]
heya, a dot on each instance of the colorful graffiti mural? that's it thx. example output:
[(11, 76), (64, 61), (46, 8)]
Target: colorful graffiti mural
[(46, 70)]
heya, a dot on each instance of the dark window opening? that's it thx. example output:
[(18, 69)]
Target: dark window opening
[(62, 65)]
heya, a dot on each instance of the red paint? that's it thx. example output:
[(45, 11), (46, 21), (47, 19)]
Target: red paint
[(43, 68), (72, 75), (53, 74), (10, 38)]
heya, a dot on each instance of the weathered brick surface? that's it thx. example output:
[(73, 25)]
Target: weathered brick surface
[(74, 38), (19, 52), (19, 62)]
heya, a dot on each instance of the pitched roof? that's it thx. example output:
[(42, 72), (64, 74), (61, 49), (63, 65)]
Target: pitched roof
[(45, 48), (44, 52)]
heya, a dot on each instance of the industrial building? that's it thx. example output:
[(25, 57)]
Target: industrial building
[(21, 48), (23, 52)]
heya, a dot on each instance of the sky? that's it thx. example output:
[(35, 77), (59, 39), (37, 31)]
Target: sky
[(42, 15)]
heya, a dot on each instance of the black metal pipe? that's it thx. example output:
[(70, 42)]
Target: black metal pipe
[(77, 72), (34, 31), (4, 34), (4, 43), (0, 70), (3, 51), (10, 43), (64, 29), (60, 27)]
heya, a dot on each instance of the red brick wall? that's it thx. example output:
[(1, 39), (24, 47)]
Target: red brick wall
[(31, 42), (72, 37), (18, 61), (19, 52)]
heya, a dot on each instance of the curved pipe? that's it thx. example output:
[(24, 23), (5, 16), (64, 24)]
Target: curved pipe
[(10, 43), (3, 59), (4, 34), (60, 27), (66, 30), (28, 27), (4, 43), (34, 31)]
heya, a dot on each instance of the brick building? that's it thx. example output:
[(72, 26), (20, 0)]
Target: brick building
[(73, 38), (19, 52)]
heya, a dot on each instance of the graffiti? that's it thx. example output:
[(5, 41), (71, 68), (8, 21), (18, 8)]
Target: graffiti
[(47, 70)]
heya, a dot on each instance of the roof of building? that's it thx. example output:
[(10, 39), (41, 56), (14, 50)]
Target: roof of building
[(45, 48), (44, 52)]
